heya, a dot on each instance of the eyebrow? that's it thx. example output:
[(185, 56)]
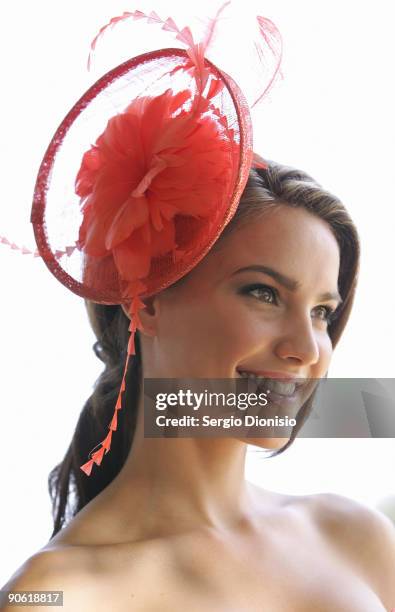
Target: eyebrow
[(288, 283)]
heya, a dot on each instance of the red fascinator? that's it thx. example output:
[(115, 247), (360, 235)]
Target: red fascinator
[(145, 172)]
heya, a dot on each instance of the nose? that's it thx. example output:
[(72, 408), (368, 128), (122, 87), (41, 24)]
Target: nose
[(298, 342)]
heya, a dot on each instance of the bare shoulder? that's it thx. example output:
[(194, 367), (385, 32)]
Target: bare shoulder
[(364, 536), (354, 523), (53, 569)]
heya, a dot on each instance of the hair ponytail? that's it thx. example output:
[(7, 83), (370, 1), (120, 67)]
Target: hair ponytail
[(69, 488)]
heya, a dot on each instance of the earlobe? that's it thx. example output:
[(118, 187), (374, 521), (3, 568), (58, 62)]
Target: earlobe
[(148, 315), (125, 309)]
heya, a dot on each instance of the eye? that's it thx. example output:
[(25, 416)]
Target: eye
[(329, 313), (258, 290), (269, 295)]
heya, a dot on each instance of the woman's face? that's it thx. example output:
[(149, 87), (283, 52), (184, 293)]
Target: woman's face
[(255, 303)]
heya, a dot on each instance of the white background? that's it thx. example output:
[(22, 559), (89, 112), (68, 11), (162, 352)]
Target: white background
[(331, 116)]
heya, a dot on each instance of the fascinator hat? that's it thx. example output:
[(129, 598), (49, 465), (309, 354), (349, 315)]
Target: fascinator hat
[(146, 170)]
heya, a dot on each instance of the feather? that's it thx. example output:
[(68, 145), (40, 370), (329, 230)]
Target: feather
[(168, 25), (273, 40), (212, 25)]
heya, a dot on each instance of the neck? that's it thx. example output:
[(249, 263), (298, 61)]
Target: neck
[(173, 485)]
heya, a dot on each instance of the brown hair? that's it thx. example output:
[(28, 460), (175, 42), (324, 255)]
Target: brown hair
[(69, 488)]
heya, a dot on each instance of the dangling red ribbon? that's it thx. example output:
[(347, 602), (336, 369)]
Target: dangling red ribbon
[(97, 456)]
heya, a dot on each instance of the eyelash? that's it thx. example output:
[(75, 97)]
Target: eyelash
[(331, 313)]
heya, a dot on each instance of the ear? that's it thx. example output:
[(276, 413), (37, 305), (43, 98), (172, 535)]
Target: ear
[(148, 315)]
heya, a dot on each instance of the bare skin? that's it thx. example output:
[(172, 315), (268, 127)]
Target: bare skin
[(180, 527)]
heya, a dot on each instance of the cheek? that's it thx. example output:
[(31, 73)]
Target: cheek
[(326, 351), (231, 329), (218, 326), (205, 330)]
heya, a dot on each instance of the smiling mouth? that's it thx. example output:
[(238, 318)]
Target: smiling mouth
[(277, 386)]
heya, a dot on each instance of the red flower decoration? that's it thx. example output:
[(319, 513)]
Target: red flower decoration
[(154, 161)]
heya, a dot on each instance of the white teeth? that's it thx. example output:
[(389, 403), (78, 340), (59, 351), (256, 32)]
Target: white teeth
[(248, 375), (271, 384), (281, 387)]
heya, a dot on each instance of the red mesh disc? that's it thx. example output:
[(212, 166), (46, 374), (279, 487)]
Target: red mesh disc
[(197, 145)]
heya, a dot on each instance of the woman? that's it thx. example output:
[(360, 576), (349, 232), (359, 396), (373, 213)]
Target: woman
[(171, 524)]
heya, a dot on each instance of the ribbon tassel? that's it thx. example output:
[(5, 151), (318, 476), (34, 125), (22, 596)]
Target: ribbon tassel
[(105, 445), (87, 467), (98, 455)]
